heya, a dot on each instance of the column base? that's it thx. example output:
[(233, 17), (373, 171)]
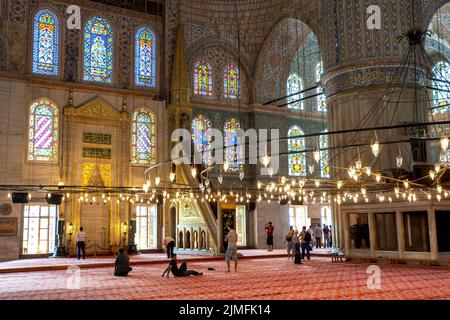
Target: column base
[(60, 252)]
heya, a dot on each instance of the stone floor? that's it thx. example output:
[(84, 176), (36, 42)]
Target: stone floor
[(262, 279)]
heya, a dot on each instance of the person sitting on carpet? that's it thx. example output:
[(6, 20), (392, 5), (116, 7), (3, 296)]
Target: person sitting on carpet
[(179, 272), (122, 264)]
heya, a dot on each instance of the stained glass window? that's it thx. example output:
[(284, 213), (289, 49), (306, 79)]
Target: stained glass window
[(98, 51), (441, 98), (203, 79), (294, 86), (321, 100), (233, 152), (231, 82), (145, 57), (46, 43), (200, 137), (296, 161), (324, 157), (143, 138), (43, 131)]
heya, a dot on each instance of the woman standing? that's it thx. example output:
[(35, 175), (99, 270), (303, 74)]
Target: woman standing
[(290, 242)]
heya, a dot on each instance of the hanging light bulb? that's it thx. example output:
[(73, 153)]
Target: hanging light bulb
[(311, 169), (266, 160), (144, 187), (220, 179), (317, 183), (375, 148), (399, 161), (302, 183), (358, 164), (446, 194), (351, 171), (439, 197), (270, 171), (437, 167), (172, 176), (207, 182), (241, 175), (429, 196), (316, 155), (49, 195), (9, 195), (368, 171), (439, 189), (406, 184), (444, 144), (61, 184), (29, 196), (68, 195), (397, 192), (157, 181), (390, 199), (259, 185), (378, 178), (432, 175), (194, 172), (339, 184), (363, 191)]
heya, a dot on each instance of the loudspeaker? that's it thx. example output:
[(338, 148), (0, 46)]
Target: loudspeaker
[(252, 206), (19, 197), (55, 198)]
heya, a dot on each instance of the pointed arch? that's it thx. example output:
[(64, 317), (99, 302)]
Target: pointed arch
[(233, 152), (231, 82), (46, 43), (324, 156), (98, 51), (145, 57), (293, 87), (43, 130), (296, 158), (143, 138), (441, 98), (200, 136), (203, 83)]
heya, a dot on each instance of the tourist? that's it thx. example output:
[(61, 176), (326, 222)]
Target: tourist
[(318, 236), (231, 238), (81, 243), (326, 236), (122, 264), (290, 242), (269, 230), (169, 243), (305, 237), (311, 232), (296, 240), (181, 271), (330, 239)]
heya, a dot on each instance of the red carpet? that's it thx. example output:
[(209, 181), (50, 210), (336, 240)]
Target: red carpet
[(275, 279)]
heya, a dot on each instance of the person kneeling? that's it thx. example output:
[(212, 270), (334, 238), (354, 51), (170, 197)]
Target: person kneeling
[(181, 271), (122, 264)]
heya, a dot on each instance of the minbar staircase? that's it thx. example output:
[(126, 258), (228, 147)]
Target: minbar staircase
[(205, 209)]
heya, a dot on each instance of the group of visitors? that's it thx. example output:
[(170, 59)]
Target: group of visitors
[(320, 233)]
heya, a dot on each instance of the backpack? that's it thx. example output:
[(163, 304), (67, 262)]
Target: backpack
[(307, 236)]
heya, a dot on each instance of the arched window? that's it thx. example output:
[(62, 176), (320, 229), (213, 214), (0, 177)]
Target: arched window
[(200, 138), (143, 138), (233, 152), (297, 161), (203, 79), (145, 57), (43, 131), (324, 157), (46, 35), (321, 100), (231, 82), (441, 98), (98, 51), (294, 86)]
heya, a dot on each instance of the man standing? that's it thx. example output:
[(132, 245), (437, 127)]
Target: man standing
[(311, 232), (318, 234), (122, 264), (269, 230), (232, 239), (81, 243), (169, 243), (306, 242), (326, 236)]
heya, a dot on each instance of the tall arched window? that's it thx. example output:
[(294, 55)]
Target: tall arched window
[(143, 138), (200, 137), (145, 57), (203, 79), (233, 152), (98, 51), (297, 161), (46, 35), (440, 97), (321, 100), (324, 157), (231, 82), (43, 129), (294, 86)]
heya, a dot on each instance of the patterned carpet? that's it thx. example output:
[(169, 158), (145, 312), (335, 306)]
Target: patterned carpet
[(262, 279)]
